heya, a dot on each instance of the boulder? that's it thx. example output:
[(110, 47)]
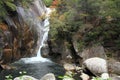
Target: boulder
[(84, 76), (69, 67), (96, 65), (45, 51), (49, 76), (114, 69), (25, 77), (105, 76), (96, 51)]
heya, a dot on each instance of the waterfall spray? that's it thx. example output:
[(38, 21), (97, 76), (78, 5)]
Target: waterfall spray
[(31, 17)]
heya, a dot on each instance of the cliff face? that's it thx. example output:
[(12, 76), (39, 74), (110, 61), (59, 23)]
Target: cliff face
[(21, 32), (16, 42)]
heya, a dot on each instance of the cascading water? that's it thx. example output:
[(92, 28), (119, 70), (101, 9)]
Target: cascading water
[(32, 17)]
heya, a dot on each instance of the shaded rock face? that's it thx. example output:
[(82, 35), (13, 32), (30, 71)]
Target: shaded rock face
[(16, 42), (114, 67), (68, 51), (20, 32), (58, 50), (62, 51), (45, 51), (72, 48), (96, 51)]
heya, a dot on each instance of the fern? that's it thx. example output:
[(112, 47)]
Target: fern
[(11, 5), (4, 6), (8, 5)]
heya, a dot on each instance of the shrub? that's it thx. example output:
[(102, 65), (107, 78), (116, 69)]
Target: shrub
[(48, 2)]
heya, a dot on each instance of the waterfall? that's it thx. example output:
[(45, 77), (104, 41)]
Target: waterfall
[(37, 15)]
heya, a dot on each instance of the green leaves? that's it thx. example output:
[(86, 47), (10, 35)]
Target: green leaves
[(6, 5), (9, 77), (48, 2), (111, 8), (101, 16), (11, 5)]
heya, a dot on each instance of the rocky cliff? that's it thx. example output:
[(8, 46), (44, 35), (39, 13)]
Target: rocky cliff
[(16, 42)]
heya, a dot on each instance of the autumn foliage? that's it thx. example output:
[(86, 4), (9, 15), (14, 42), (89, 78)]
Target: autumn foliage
[(55, 3)]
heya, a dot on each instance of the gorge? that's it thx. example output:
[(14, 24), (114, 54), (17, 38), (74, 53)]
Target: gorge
[(77, 33)]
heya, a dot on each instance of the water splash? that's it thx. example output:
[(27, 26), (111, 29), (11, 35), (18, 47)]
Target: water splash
[(31, 17)]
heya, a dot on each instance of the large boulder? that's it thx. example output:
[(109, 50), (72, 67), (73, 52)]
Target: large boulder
[(114, 67), (96, 65), (49, 76), (95, 51)]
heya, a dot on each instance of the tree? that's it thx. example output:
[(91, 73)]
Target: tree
[(97, 21)]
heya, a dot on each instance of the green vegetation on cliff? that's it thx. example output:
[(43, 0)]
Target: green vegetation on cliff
[(92, 21), (48, 2), (9, 6), (5, 6)]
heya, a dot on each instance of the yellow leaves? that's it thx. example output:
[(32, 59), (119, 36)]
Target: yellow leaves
[(62, 18), (3, 27), (53, 15), (83, 14), (109, 18), (42, 17)]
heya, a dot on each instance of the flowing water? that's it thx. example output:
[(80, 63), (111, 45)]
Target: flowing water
[(36, 70), (36, 16), (35, 66)]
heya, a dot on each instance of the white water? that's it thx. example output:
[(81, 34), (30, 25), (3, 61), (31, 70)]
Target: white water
[(31, 17)]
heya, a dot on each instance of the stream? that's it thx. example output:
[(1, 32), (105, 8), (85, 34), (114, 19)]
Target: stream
[(36, 70)]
